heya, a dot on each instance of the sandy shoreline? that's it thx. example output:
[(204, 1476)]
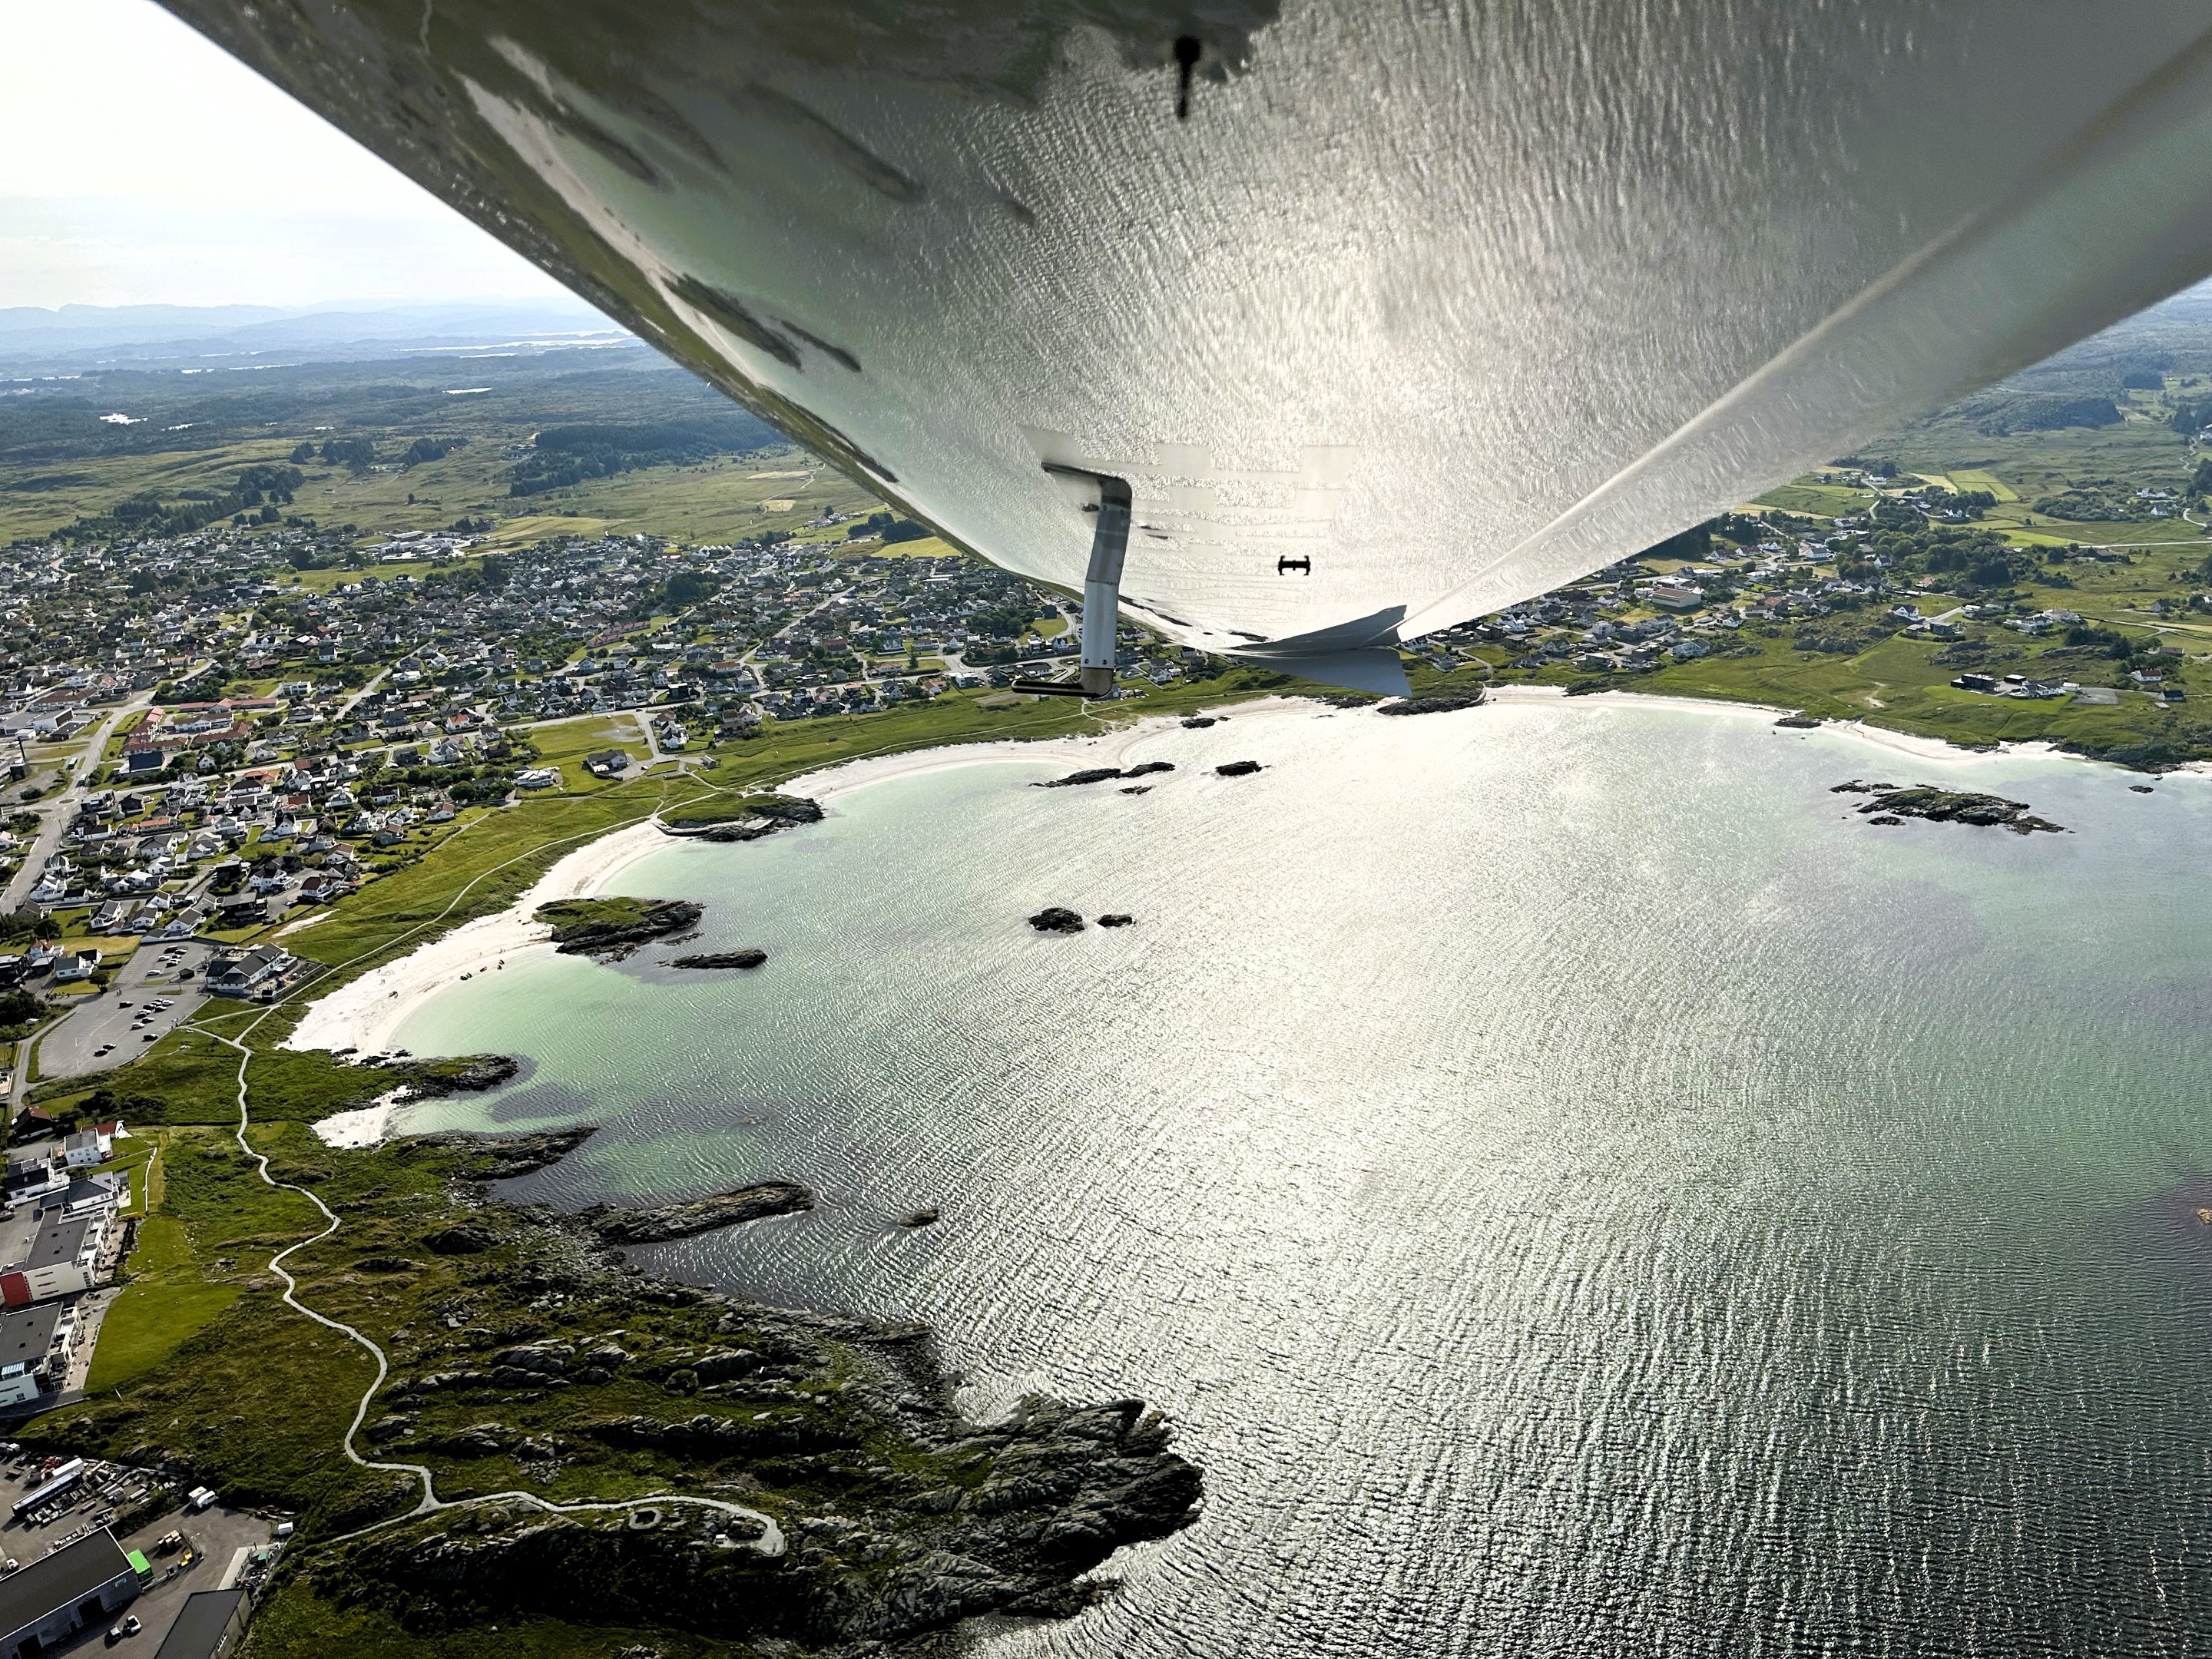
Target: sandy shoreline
[(368, 1012)]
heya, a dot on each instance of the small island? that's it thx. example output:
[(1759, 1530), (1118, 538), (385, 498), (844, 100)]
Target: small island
[(1889, 804), (1103, 773), (612, 928), (700, 1215), (746, 817), (750, 957)]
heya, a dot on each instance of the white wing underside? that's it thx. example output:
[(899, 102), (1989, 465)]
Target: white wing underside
[(1457, 301)]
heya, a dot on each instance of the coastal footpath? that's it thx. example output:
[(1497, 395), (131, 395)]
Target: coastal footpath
[(532, 1366)]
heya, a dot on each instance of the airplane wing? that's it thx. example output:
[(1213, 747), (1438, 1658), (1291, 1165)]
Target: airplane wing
[(1424, 309)]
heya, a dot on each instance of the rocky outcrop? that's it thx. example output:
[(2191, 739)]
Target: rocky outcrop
[(1199, 722), (1056, 919), (1888, 804), (462, 1240), (1054, 1491), (746, 958), (1799, 722), (502, 1158), (926, 1216), (1437, 702), (612, 928), (751, 818), (1105, 774), (1237, 769), (432, 1080), (699, 1215), (1117, 918)]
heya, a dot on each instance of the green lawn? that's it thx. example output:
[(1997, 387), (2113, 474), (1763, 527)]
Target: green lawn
[(148, 1323), (1823, 500)]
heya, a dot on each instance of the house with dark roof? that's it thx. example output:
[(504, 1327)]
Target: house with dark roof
[(83, 1583)]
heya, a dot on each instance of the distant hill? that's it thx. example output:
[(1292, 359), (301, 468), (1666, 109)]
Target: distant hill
[(75, 337)]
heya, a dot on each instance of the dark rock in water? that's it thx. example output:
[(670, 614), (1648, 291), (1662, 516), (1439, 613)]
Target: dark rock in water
[(612, 928), (2140, 788), (1137, 789), (1437, 702), (746, 958), (1886, 818), (1093, 775), (1056, 919), (462, 1240), (1237, 770), (699, 1215), (1105, 774), (1197, 723), (1117, 918), (1854, 787), (1804, 722), (926, 1216), (1953, 806)]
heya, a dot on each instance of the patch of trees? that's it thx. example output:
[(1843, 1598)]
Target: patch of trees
[(2083, 506), (906, 529), (565, 455), (262, 491), (2143, 379), (359, 454), (2039, 412), (1693, 544), (689, 587), (430, 449)]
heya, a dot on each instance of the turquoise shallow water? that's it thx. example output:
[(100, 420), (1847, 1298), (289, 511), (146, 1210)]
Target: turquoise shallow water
[(1578, 1189)]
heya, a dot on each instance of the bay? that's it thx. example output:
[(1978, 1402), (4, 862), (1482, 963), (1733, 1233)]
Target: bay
[(1576, 1186)]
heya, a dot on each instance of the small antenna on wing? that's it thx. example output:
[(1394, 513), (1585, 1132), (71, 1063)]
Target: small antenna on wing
[(1187, 49)]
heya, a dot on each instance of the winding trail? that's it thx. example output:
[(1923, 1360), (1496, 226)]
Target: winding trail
[(771, 1540)]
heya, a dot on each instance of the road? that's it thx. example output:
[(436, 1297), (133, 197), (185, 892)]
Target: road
[(56, 812)]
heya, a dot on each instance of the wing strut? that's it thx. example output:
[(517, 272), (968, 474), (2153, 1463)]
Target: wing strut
[(1101, 588)]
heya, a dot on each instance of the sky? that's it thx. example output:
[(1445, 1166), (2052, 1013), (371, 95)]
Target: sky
[(140, 164)]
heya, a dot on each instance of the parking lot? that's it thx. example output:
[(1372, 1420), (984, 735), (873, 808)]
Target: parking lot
[(212, 1542), (123, 1020)]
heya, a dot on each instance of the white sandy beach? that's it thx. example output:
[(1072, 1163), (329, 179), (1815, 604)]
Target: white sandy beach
[(367, 1013)]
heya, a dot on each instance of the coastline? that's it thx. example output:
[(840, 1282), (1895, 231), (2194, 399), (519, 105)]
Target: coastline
[(1113, 746), (366, 1013)]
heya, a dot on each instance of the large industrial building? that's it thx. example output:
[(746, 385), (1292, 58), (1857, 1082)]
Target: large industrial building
[(87, 1582)]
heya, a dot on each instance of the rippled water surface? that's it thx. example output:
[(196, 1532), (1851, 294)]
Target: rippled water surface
[(1578, 1189)]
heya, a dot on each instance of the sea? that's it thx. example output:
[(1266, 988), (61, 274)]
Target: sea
[(1577, 1188)]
